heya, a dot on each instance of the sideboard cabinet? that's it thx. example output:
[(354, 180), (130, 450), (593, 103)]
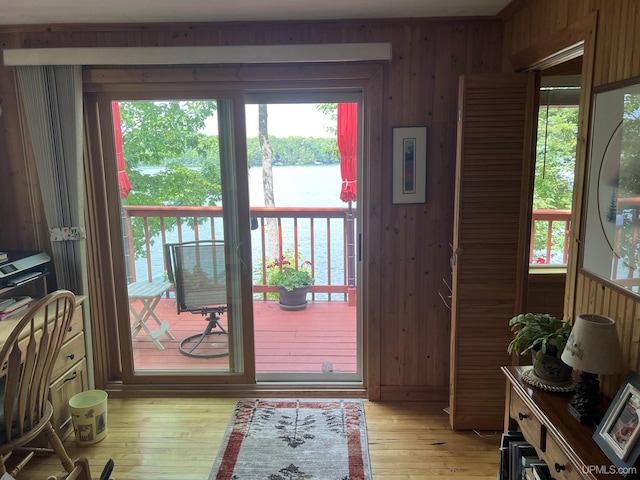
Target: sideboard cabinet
[(566, 445)]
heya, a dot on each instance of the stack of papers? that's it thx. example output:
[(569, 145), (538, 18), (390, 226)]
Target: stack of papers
[(11, 306)]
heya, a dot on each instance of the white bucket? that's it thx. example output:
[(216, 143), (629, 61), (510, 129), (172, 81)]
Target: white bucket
[(89, 416)]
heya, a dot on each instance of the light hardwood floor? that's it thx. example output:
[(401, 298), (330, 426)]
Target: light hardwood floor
[(178, 439)]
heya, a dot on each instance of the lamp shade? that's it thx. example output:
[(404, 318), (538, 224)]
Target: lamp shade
[(593, 345)]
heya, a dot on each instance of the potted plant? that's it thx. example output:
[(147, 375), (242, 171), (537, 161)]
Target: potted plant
[(545, 337), (292, 277)]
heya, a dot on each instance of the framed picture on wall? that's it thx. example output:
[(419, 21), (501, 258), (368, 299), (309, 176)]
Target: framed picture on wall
[(409, 164)]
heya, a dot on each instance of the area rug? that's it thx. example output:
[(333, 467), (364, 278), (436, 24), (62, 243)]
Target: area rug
[(294, 440)]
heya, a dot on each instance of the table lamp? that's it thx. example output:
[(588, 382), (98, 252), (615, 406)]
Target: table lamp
[(593, 348)]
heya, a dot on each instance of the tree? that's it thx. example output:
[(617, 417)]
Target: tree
[(555, 165), (165, 134), (555, 158), (267, 180)]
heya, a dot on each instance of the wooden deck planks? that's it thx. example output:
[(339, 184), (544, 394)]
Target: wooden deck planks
[(285, 341)]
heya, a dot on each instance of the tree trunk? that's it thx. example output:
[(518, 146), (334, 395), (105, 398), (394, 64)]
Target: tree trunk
[(267, 182)]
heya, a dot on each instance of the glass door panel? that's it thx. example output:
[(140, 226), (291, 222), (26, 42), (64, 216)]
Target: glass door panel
[(182, 230), (301, 221)]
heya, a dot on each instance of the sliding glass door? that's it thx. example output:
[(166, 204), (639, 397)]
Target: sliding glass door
[(197, 244), (184, 246)]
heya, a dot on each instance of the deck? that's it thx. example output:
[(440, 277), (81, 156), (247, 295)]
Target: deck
[(299, 341)]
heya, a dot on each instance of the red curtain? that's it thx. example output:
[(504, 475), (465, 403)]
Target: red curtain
[(123, 179), (348, 147)]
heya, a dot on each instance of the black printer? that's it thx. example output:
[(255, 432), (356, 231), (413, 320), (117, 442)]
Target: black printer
[(22, 267)]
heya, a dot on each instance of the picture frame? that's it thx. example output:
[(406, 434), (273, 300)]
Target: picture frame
[(618, 433), (409, 165)]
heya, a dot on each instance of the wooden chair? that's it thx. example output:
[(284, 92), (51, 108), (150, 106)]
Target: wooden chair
[(81, 471), (26, 361)]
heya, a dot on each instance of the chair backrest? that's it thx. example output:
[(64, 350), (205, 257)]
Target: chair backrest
[(26, 360), (197, 270)]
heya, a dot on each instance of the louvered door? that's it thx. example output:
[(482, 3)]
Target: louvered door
[(494, 169)]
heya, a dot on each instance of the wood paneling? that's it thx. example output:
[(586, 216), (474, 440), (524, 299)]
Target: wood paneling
[(616, 57), (545, 293), (407, 246), (492, 214)]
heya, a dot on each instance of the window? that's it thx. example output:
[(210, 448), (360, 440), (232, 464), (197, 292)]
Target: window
[(555, 166)]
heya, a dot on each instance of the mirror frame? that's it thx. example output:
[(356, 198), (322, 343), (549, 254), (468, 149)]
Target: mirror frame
[(609, 210)]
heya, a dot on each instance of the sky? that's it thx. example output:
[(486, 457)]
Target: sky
[(285, 120)]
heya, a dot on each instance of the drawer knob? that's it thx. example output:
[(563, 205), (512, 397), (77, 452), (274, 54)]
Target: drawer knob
[(522, 416), (559, 467), (69, 328), (71, 356), (75, 375)]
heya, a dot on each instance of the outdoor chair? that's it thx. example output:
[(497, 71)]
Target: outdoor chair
[(27, 358), (197, 270)]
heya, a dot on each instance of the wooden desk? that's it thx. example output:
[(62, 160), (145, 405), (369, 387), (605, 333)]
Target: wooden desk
[(560, 440), (70, 369)]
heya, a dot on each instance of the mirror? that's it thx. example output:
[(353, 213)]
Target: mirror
[(612, 215)]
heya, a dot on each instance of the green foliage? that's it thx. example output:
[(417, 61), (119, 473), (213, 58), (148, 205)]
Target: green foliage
[(538, 332), (295, 151), (155, 131), (288, 272), (166, 134), (555, 165), (555, 158)]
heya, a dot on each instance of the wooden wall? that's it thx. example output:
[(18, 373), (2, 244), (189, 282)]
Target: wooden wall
[(529, 26), (420, 88)]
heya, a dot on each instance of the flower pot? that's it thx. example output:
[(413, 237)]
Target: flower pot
[(295, 299), (552, 369)]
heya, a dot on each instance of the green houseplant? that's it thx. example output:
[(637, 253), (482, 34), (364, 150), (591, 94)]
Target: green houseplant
[(544, 336), (292, 277)]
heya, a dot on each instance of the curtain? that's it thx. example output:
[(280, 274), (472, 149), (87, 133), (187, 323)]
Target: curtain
[(52, 97)]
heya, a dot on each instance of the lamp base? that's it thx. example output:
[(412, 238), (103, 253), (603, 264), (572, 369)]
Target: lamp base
[(585, 406), (592, 419)]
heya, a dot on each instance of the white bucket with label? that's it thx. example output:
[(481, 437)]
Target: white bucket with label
[(89, 416)]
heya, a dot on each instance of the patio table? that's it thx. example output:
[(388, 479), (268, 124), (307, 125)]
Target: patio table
[(149, 294)]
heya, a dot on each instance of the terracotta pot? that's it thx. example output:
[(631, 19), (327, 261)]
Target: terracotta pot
[(295, 299)]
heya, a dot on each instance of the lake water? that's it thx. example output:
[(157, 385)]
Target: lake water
[(299, 186), (294, 186)]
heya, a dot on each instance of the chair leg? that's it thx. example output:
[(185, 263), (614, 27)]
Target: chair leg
[(58, 447), (22, 463), (3, 458)]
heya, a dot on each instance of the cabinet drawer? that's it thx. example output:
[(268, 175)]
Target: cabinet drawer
[(76, 325), (531, 427), (62, 389), (70, 353), (560, 466)]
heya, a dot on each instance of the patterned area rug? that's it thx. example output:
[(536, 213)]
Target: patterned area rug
[(294, 440)]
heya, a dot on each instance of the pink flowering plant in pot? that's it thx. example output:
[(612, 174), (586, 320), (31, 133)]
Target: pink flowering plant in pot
[(289, 273)]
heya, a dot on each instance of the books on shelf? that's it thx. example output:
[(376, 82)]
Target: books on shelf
[(519, 459), (507, 438), (12, 306)]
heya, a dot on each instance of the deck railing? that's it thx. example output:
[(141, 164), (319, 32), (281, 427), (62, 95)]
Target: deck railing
[(555, 225), (320, 235)]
